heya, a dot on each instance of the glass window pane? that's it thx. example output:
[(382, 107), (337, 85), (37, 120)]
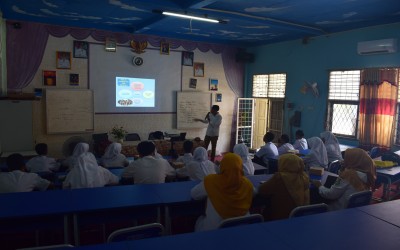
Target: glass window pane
[(344, 85), (344, 119)]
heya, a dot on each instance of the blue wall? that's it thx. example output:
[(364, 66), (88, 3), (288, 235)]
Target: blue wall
[(312, 62)]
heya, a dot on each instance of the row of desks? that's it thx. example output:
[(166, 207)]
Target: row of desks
[(366, 227), (78, 202)]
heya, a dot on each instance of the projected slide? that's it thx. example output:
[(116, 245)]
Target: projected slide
[(134, 92)]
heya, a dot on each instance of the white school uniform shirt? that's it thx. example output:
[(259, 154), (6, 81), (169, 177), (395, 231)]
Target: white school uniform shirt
[(148, 170), (42, 163), (214, 124), (340, 192), (283, 149), (113, 157), (300, 144), (332, 146), (185, 159), (88, 174), (269, 150), (243, 151), (200, 166), (18, 181)]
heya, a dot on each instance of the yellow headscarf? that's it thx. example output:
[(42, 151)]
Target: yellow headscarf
[(230, 192), (357, 159), (291, 169)]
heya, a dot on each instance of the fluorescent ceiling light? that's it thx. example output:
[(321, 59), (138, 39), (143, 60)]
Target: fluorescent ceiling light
[(190, 17)]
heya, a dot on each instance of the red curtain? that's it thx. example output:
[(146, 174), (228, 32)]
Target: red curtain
[(378, 100)]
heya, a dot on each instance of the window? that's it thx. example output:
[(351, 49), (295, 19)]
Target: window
[(343, 101), (271, 86)]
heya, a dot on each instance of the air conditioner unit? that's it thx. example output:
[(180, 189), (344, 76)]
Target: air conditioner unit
[(377, 47)]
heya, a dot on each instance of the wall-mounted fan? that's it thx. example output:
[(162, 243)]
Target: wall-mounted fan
[(310, 87)]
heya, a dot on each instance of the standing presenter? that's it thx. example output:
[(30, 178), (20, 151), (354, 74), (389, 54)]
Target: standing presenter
[(214, 119)]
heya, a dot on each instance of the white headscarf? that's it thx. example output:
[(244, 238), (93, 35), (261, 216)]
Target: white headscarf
[(200, 156), (242, 150), (79, 149), (86, 173), (112, 152), (332, 146), (318, 151)]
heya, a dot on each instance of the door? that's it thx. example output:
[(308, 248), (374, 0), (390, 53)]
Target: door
[(275, 117), (260, 121)]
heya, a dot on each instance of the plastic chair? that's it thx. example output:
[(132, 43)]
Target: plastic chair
[(359, 199), (334, 166), (156, 135), (137, 233), (308, 210), (132, 137), (241, 220)]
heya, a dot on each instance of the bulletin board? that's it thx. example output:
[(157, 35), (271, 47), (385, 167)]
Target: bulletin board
[(190, 106), (69, 111)]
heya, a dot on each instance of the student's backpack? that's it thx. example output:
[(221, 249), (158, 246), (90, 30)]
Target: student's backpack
[(390, 156)]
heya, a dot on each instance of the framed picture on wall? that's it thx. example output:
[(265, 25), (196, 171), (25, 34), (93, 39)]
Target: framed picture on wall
[(193, 83), (111, 45), (164, 48), (81, 49), (74, 79), (187, 58), (49, 78), (198, 69), (63, 60), (214, 84), (218, 97)]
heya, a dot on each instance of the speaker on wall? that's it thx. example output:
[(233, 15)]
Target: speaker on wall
[(243, 56)]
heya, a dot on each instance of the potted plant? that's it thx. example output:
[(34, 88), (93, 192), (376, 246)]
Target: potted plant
[(118, 133)]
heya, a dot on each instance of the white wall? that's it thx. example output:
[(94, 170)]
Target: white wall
[(140, 123)]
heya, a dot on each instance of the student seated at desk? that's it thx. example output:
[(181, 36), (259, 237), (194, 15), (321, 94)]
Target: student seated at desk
[(332, 146), (188, 156), (113, 157), (317, 156), (148, 169), (243, 151), (199, 167), (229, 194), (17, 180), (88, 174), (285, 145), (287, 189), (358, 174), (301, 142), (269, 150), (42, 163), (79, 149)]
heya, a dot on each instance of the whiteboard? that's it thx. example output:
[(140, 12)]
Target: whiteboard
[(192, 105), (69, 111)]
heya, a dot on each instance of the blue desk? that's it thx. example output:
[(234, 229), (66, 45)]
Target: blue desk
[(36, 204), (86, 200), (386, 211), (345, 229)]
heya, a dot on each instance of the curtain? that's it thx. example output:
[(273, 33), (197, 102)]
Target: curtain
[(25, 49), (378, 101)]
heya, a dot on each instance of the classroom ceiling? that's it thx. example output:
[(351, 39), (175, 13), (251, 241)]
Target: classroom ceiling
[(245, 23)]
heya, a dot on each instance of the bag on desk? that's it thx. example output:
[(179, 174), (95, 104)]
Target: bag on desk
[(390, 156)]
